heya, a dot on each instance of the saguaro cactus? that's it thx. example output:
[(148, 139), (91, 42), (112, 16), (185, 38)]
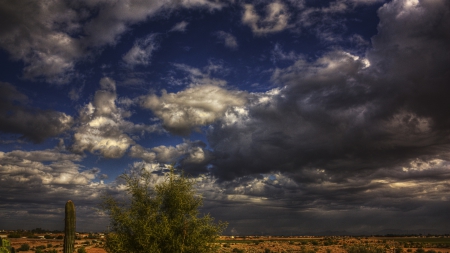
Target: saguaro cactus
[(69, 228)]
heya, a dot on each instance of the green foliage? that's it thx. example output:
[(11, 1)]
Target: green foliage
[(163, 218), (81, 250), (24, 247), (364, 249), (69, 227), (238, 250)]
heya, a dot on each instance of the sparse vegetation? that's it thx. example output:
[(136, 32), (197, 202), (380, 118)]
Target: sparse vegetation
[(81, 250), (24, 247), (161, 218)]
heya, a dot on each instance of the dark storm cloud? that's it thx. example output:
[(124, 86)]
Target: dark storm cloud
[(19, 117), (351, 132), (342, 115)]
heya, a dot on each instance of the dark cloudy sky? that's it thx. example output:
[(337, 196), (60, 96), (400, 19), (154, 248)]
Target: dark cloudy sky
[(294, 116)]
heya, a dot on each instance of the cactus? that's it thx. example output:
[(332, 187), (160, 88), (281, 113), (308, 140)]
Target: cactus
[(69, 228), (5, 246)]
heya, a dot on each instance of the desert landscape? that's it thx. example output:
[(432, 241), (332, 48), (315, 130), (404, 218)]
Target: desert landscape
[(335, 244), (279, 244)]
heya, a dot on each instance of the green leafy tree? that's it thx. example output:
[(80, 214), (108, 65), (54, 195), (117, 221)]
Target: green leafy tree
[(162, 218)]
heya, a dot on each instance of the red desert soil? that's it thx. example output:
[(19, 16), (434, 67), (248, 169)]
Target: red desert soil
[(56, 244)]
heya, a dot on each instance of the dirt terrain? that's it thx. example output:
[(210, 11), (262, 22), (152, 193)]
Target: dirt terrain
[(57, 244), (276, 244), (332, 244)]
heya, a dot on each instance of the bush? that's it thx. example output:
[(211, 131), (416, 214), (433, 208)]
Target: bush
[(24, 247), (81, 250), (238, 250), (161, 218), (14, 235), (364, 249)]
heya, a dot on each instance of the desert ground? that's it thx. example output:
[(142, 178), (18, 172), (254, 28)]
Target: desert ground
[(91, 245), (266, 244), (334, 244)]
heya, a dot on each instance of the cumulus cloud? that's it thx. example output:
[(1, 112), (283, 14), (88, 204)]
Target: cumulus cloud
[(142, 50), (51, 37), (191, 156), (179, 27), (42, 40), (276, 19), (193, 107), (17, 116), (41, 181), (102, 127), (227, 39)]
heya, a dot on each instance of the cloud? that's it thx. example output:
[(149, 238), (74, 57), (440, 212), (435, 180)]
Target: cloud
[(278, 54), (42, 40), (40, 182), (141, 51), (227, 39), (102, 127), (51, 37), (193, 107), (17, 116), (276, 20), (179, 27), (192, 157)]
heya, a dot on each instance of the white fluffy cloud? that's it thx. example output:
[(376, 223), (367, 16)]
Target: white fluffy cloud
[(142, 50), (276, 19), (102, 127), (185, 153), (195, 106), (19, 167)]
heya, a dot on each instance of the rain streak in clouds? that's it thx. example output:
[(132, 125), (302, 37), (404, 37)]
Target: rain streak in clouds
[(293, 117)]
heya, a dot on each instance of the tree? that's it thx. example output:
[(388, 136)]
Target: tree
[(163, 218)]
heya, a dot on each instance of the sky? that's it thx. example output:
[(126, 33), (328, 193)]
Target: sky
[(293, 116)]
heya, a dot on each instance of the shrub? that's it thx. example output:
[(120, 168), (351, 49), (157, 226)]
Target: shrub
[(364, 249), (161, 218), (81, 250), (24, 247)]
